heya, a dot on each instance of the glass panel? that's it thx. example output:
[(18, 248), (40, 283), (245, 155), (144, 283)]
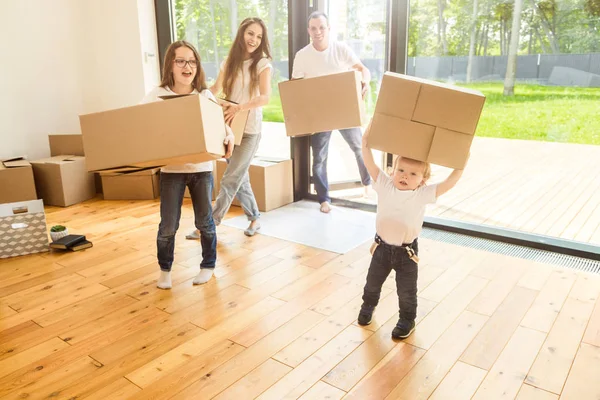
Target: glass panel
[(362, 24), (535, 158), (211, 26)]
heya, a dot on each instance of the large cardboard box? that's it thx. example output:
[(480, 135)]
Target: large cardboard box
[(189, 129), (425, 120), (238, 125), (131, 183), (16, 180), (63, 180), (322, 104), (271, 181), (22, 228), (66, 145)]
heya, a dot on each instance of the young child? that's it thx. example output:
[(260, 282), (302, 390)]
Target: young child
[(183, 74), (401, 203), (244, 79)]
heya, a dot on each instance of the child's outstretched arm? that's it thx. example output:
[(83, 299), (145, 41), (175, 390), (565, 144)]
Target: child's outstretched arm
[(368, 156), (449, 183)]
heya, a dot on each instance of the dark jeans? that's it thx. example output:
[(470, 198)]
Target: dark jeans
[(320, 150), (172, 188), (386, 258)]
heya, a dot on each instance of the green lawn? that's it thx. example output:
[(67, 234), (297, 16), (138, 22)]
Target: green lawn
[(546, 113)]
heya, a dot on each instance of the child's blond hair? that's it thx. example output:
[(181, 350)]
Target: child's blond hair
[(426, 166)]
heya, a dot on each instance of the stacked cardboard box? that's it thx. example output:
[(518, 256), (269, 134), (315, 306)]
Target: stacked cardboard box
[(131, 183), (16, 180), (271, 181), (189, 129), (62, 179), (425, 120), (322, 104)]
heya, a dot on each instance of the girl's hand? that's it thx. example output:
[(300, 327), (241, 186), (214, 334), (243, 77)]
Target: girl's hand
[(364, 89), (230, 110), (229, 141)]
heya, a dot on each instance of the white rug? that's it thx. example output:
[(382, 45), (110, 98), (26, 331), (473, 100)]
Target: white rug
[(340, 231)]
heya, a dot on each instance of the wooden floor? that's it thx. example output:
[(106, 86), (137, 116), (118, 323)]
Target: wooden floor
[(278, 322), (545, 188)]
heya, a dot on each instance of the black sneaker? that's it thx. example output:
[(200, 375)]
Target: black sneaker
[(365, 315), (403, 329)]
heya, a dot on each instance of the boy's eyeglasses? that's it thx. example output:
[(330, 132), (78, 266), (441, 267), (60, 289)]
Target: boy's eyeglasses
[(182, 63)]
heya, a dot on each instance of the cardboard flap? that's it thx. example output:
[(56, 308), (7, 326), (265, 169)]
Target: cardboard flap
[(16, 162), (130, 171), (66, 159), (66, 144), (173, 96)]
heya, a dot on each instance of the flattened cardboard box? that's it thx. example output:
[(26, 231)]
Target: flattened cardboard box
[(271, 181), (22, 228), (322, 104), (131, 183), (16, 180), (63, 180), (189, 129), (425, 120)]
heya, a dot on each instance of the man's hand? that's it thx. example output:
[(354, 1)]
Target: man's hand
[(229, 142), (365, 89)]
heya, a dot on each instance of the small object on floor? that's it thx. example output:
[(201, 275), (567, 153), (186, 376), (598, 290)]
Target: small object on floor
[(204, 276), (164, 280), (195, 235), (325, 207), (403, 329), (365, 316), (252, 229), (71, 242)]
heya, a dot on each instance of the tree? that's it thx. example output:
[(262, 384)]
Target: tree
[(511, 66)]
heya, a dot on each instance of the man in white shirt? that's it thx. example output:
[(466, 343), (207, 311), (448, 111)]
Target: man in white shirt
[(324, 57)]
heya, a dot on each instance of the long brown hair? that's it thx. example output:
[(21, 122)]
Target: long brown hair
[(199, 82), (237, 52)]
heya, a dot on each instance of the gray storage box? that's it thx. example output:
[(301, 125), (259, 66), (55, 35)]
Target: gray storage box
[(22, 228)]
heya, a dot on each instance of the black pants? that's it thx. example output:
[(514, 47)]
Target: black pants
[(386, 258)]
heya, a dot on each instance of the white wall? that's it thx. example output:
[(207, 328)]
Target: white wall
[(62, 58)]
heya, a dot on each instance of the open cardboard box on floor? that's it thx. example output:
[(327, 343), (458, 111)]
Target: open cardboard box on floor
[(322, 104), (425, 120), (188, 129), (131, 183), (62, 179), (271, 181), (16, 180)]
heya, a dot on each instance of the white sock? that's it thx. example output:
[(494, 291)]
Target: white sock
[(164, 280), (203, 276)]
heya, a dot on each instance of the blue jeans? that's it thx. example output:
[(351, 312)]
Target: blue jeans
[(236, 181), (320, 150), (386, 258), (172, 188)]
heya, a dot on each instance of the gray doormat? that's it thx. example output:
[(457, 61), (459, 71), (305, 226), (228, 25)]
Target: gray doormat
[(340, 231)]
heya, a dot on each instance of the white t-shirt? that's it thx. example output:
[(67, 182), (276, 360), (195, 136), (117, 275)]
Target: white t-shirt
[(183, 168), (400, 213), (240, 93), (310, 63)]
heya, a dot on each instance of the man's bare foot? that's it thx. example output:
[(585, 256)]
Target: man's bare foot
[(325, 207), (368, 191)]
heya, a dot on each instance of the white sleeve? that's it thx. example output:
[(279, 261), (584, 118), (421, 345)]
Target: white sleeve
[(208, 94), (381, 182), (298, 70), (428, 194), (262, 65), (347, 55)]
